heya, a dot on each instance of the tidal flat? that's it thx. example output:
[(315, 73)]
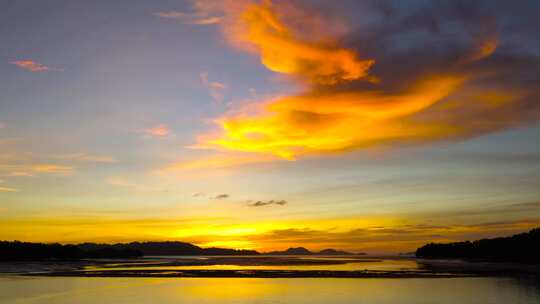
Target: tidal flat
[(272, 267)]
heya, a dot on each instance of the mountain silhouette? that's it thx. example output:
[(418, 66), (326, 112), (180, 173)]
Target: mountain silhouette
[(18, 251), (39, 251), (304, 251), (170, 249)]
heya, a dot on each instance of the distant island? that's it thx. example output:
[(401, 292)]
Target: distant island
[(304, 251), (523, 247), (10, 251)]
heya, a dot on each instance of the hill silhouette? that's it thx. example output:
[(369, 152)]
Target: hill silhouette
[(11, 251), (14, 251), (19, 251), (304, 251), (168, 248), (523, 247)]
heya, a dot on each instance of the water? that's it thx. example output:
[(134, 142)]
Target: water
[(348, 264), (58, 290)]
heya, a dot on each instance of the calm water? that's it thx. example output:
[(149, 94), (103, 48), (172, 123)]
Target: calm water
[(15, 289), (352, 264)]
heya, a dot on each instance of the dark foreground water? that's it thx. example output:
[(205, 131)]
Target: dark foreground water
[(58, 290)]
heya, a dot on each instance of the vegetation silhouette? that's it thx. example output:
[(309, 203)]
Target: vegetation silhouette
[(168, 248), (12, 251), (20, 251), (523, 247)]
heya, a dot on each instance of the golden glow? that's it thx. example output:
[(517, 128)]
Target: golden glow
[(311, 123), (217, 161), (239, 244), (390, 234)]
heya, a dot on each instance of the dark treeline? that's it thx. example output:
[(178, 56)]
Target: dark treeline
[(181, 248), (20, 251), (523, 247), (10, 251), (39, 251), (169, 248)]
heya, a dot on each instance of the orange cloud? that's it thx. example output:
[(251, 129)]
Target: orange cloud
[(310, 123), (344, 108), (52, 169), (485, 48), (160, 131), (33, 66), (28, 170), (21, 173), (6, 189), (282, 50), (216, 88)]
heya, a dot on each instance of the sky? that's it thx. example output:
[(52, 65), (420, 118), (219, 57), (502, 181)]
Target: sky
[(369, 126)]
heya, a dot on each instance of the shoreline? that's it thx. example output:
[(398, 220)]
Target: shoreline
[(253, 274), (183, 268)]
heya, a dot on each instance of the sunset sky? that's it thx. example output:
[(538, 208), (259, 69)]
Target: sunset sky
[(372, 126)]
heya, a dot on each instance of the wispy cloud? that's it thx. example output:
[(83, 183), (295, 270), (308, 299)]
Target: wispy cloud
[(6, 189), (21, 173), (87, 157), (20, 163), (216, 88), (211, 196), (217, 161), (28, 170), (197, 18), (119, 181), (33, 66), (203, 12), (52, 169), (266, 203), (221, 196), (159, 131)]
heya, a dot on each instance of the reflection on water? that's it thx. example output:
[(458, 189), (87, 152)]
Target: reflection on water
[(214, 290), (235, 263)]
